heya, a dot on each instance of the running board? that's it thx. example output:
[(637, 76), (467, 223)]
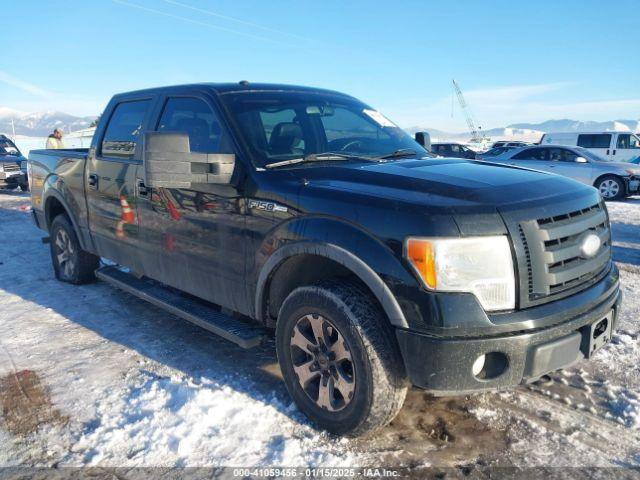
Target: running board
[(236, 331)]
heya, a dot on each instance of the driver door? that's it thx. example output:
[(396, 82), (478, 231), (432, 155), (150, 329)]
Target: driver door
[(564, 162), (627, 148)]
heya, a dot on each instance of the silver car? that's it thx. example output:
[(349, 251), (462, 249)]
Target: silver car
[(614, 180)]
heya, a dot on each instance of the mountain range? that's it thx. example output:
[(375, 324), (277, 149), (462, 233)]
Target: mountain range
[(40, 124)]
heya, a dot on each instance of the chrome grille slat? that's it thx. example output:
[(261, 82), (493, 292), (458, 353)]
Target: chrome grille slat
[(569, 227), (10, 167), (577, 268), (555, 263), (570, 249)]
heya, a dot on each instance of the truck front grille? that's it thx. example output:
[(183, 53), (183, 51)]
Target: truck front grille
[(552, 257), (10, 167)]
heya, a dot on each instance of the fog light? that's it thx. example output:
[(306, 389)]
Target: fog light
[(490, 365), (478, 365)]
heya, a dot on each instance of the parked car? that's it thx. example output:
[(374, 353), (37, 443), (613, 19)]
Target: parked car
[(507, 143), (452, 150), (12, 163), (613, 180), (610, 146), (304, 211)]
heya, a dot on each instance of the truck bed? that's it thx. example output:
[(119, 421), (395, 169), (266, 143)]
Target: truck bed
[(62, 169)]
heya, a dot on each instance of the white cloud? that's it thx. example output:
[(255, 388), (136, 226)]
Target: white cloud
[(513, 93), (22, 85)]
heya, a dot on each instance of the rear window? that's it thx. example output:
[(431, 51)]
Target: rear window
[(124, 128), (594, 140)]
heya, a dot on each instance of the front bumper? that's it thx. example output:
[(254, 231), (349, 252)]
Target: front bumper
[(444, 365), (12, 178), (633, 185)]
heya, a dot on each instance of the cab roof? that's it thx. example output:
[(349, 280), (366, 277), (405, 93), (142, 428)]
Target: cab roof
[(222, 88)]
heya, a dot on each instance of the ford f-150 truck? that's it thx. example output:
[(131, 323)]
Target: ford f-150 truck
[(246, 208)]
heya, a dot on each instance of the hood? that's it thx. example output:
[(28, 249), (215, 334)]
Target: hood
[(438, 183)]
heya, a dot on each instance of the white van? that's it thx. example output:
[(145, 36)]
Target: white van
[(611, 146)]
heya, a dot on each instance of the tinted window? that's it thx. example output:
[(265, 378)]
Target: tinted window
[(124, 128), (561, 155), (594, 140), (532, 154), (626, 140), (195, 117)]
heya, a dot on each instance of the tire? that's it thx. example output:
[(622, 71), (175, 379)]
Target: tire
[(70, 263), (610, 187), (372, 379), (24, 187)]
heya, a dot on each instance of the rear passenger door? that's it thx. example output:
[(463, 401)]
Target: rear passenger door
[(195, 239), (598, 143), (110, 179)]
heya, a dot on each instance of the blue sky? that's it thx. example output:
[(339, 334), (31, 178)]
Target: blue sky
[(515, 61)]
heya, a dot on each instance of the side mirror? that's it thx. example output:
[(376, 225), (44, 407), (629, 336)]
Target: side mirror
[(169, 162), (424, 139), (581, 160)]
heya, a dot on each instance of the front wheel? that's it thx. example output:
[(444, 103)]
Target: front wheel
[(339, 358), (610, 187), (70, 263)]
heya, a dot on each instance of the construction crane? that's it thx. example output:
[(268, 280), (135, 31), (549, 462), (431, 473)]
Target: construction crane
[(477, 136)]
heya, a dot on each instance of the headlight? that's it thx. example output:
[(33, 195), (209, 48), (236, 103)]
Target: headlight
[(479, 265), (633, 171)]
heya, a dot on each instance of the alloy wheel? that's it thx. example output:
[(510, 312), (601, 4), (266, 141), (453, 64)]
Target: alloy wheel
[(322, 362), (609, 188), (65, 253)]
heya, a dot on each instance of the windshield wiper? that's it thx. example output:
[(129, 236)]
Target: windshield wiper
[(317, 157), (403, 152)]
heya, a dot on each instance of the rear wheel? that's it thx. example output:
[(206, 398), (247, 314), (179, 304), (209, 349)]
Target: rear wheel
[(610, 187), (339, 358), (70, 263)]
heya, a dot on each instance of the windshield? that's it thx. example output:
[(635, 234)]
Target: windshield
[(7, 147), (279, 126)]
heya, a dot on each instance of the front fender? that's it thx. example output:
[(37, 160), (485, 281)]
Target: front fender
[(372, 261)]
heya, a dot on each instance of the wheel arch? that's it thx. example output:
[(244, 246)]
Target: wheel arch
[(54, 205), (280, 275)]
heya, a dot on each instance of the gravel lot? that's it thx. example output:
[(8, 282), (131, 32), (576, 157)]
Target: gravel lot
[(92, 376)]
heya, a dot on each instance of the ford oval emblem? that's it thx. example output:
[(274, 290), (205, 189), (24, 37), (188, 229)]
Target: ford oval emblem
[(590, 245)]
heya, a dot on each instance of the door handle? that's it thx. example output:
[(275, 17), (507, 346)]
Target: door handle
[(93, 180), (614, 152), (143, 190), (607, 152)]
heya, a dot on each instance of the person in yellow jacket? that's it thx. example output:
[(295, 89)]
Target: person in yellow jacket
[(55, 139)]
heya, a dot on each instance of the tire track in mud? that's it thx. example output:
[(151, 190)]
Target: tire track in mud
[(576, 412)]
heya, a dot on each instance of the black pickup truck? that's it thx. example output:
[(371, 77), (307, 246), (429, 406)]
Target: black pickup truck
[(246, 208)]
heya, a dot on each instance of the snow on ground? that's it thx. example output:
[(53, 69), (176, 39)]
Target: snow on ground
[(92, 376)]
